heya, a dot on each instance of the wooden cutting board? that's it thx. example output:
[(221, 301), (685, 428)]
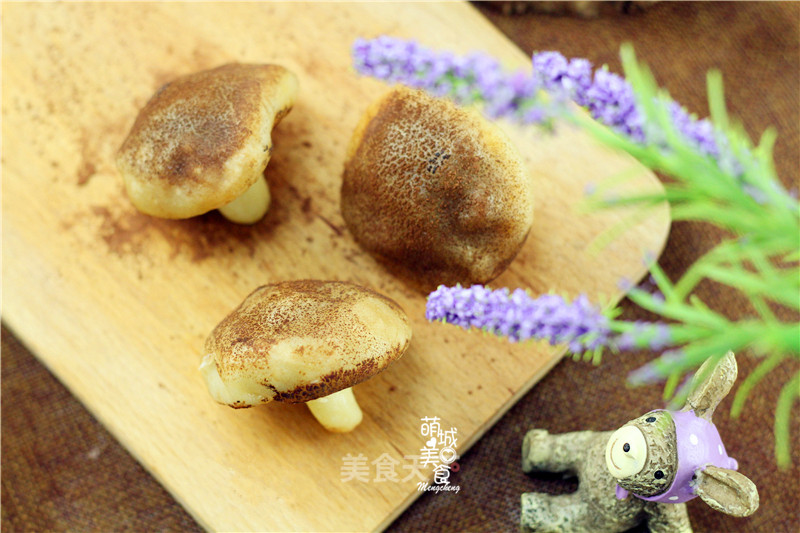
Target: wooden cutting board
[(118, 304)]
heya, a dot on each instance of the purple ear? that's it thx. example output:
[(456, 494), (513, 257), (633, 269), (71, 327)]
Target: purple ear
[(711, 383)]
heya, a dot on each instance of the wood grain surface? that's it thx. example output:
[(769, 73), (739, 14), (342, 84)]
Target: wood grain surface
[(118, 304)]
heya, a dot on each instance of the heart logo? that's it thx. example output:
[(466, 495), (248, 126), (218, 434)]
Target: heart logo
[(431, 443)]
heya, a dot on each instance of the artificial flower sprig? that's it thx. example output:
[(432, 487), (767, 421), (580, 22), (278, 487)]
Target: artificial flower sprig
[(718, 177), (529, 97), (582, 326), (519, 316)]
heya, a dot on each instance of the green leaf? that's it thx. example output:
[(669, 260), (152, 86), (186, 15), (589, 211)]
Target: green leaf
[(680, 311), (672, 383), (716, 99), (789, 394), (778, 289), (766, 366)]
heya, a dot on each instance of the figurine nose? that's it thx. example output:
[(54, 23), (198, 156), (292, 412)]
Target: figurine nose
[(626, 452)]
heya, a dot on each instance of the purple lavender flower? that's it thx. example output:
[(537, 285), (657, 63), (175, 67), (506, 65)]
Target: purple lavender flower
[(611, 100), (518, 316), (551, 69), (699, 132), (480, 78), (477, 77), (569, 79)]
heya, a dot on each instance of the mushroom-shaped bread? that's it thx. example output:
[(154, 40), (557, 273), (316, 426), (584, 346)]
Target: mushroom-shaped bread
[(202, 142), (305, 341), (436, 188)]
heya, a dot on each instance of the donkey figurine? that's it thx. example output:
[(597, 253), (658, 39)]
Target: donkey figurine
[(645, 470)]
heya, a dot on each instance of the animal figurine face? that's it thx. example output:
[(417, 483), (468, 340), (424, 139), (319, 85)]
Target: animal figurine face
[(646, 469), (642, 454)]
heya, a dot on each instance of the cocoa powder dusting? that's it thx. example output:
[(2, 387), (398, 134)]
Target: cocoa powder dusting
[(196, 122), (85, 171), (131, 232), (436, 190), (334, 349)]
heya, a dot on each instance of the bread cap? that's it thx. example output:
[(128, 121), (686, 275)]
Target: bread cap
[(436, 188), (204, 139), (296, 341)]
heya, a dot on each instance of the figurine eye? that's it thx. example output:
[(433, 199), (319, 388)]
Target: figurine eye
[(659, 474), (626, 447), (650, 419)]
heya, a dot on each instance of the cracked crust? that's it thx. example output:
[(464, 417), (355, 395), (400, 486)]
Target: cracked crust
[(436, 188), (301, 340), (204, 139)]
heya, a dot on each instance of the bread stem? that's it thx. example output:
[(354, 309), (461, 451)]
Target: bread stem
[(250, 206), (338, 412)]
